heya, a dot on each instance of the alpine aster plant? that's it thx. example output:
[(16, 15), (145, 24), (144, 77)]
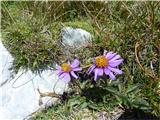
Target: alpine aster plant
[(66, 70), (106, 64)]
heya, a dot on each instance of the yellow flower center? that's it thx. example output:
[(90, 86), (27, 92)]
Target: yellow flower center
[(101, 61), (66, 67)]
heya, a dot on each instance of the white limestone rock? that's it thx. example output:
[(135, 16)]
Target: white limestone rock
[(19, 96), (75, 37), (5, 63)]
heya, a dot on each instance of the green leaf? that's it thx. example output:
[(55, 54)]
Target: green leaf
[(112, 90), (124, 98), (84, 105), (141, 103), (93, 107), (133, 88)]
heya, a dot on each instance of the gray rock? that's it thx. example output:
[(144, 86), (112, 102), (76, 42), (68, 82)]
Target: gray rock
[(75, 37)]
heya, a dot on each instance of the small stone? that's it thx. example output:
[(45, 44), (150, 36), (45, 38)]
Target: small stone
[(75, 37)]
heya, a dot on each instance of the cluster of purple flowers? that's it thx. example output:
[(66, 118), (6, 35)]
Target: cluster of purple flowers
[(104, 64)]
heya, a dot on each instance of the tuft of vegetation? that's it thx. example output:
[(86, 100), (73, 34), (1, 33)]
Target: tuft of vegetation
[(34, 41), (31, 32)]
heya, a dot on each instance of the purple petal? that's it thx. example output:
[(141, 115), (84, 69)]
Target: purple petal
[(112, 76), (58, 72), (115, 62), (100, 71), (62, 75), (65, 76), (95, 74), (91, 69), (106, 71), (115, 57), (74, 75), (75, 63), (77, 69), (115, 70), (58, 67), (110, 55)]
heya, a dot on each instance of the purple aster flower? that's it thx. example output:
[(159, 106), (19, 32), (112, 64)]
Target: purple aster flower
[(66, 70), (106, 64)]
